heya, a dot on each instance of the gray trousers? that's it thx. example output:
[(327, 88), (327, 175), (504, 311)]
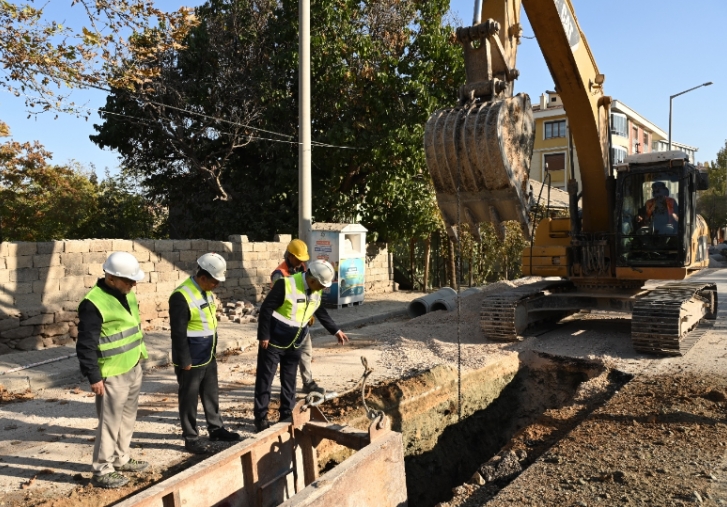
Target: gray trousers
[(116, 411), (306, 358), (195, 384)]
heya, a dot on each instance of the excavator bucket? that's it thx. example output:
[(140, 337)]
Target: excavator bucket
[(479, 158)]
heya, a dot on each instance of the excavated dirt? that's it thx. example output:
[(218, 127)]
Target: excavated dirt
[(659, 441)]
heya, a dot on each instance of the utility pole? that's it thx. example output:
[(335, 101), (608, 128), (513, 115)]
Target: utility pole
[(305, 208)]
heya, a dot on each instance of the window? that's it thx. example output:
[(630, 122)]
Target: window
[(618, 154), (645, 145), (554, 129), (554, 162), (651, 220), (635, 145), (619, 125)]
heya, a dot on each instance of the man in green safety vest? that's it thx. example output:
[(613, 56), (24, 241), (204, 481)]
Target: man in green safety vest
[(282, 326), (110, 345), (193, 322)]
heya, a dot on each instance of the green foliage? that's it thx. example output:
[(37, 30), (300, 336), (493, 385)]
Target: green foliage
[(43, 202), (40, 55), (712, 203), (379, 69), (479, 263), (120, 211)]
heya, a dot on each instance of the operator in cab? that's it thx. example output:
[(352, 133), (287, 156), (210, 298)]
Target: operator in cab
[(661, 211)]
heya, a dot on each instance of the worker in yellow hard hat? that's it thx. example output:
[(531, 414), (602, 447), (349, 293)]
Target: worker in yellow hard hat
[(294, 262)]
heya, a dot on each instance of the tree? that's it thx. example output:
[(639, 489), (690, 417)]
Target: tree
[(42, 202), (712, 203), (379, 69), (40, 56)]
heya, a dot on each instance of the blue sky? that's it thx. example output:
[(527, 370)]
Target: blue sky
[(648, 50)]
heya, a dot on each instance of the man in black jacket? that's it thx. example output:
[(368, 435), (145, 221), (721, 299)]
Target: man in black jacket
[(193, 322), (282, 326)]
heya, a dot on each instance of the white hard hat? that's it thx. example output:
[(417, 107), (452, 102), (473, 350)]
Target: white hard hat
[(123, 265), (214, 264), (322, 271)]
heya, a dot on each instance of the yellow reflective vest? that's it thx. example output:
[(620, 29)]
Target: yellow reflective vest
[(121, 343), (202, 325), (298, 307)]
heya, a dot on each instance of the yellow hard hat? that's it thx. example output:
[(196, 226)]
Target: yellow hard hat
[(298, 249)]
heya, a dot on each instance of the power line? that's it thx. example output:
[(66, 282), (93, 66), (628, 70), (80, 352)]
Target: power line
[(229, 122)]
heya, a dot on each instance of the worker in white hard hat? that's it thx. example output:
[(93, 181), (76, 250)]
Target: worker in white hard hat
[(193, 322), (282, 325), (296, 255), (109, 347)]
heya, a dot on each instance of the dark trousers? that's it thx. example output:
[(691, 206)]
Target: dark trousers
[(200, 382), (267, 363)]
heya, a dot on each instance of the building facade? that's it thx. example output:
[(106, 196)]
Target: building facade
[(631, 133)]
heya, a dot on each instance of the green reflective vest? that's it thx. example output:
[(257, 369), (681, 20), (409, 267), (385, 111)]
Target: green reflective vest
[(202, 325), (298, 308), (121, 343)]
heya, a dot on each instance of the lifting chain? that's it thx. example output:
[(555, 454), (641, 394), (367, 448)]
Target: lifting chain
[(373, 415)]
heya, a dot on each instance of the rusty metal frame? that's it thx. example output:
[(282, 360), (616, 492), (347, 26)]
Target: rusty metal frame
[(263, 471)]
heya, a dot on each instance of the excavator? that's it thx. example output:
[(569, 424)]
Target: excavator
[(634, 241)]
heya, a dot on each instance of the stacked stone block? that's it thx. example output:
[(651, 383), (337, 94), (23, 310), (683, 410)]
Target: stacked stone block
[(41, 284), (379, 277)]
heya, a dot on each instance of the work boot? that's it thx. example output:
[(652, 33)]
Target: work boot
[(224, 435), (133, 466), (262, 424), (196, 447), (313, 387), (109, 481), (286, 417)]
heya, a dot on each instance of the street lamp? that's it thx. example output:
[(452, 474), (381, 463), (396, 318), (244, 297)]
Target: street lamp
[(671, 98)]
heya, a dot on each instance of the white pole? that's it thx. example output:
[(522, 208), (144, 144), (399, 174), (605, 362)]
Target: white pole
[(305, 208)]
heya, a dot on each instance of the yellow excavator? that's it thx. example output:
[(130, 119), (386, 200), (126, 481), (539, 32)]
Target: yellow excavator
[(637, 220)]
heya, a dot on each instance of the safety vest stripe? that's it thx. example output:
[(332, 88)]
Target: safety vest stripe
[(120, 350), (293, 296), (199, 334), (200, 304), (285, 320), (119, 336)]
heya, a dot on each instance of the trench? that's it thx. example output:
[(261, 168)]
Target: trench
[(522, 406)]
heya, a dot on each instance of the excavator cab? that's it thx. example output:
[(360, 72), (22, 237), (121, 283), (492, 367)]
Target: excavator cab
[(656, 210)]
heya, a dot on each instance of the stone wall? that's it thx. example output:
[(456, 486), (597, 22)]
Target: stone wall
[(41, 284)]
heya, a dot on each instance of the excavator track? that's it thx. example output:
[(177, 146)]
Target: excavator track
[(504, 316), (666, 321)]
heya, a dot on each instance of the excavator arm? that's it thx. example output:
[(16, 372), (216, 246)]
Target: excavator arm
[(479, 152)]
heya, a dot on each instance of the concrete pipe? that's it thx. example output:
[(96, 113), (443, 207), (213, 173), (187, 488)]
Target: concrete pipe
[(449, 302), (422, 305)]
